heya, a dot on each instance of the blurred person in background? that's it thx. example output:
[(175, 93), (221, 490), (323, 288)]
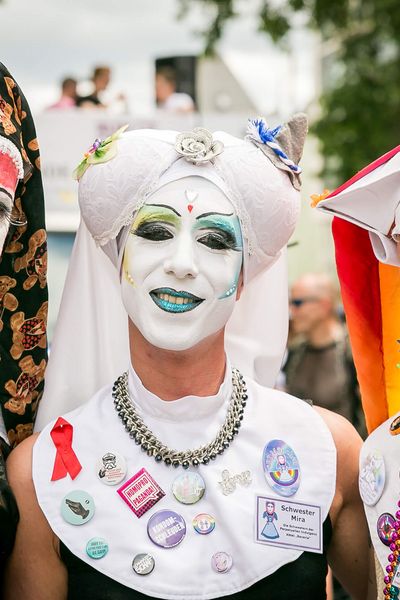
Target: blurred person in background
[(68, 94), (319, 365), (101, 78), (167, 98)]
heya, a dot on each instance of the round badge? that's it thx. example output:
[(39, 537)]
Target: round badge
[(372, 478), (143, 564), (166, 528), (96, 548), (395, 426), (385, 527), (221, 562), (188, 488), (204, 523), (111, 468), (77, 507), (281, 468)]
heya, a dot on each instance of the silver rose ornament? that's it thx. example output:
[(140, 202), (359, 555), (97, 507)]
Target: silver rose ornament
[(198, 146)]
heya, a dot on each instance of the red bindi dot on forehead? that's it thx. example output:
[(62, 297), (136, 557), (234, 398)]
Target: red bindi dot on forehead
[(190, 207)]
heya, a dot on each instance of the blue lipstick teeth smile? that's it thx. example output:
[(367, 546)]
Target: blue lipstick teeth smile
[(174, 302)]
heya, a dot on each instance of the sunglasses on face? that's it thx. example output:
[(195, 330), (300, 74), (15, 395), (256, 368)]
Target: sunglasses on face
[(297, 302)]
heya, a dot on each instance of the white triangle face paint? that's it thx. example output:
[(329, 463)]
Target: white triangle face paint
[(191, 195)]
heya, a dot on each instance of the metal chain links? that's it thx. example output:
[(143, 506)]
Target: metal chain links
[(144, 437)]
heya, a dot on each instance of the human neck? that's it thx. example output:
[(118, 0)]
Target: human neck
[(325, 333), (170, 375)]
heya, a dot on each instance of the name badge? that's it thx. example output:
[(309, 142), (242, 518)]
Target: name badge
[(288, 524)]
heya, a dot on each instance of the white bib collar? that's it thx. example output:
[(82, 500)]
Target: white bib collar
[(188, 408)]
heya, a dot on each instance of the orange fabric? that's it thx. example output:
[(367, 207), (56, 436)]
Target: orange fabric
[(390, 301), (360, 279)]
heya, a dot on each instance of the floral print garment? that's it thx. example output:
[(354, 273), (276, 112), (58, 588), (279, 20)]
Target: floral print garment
[(23, 270)]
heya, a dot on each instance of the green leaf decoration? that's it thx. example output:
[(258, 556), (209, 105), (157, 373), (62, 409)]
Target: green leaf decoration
[(100, 152)]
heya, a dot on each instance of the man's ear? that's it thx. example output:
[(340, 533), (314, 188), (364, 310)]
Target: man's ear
[(239, 285)]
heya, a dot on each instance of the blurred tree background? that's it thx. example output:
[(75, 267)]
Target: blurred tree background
[(360, 104)]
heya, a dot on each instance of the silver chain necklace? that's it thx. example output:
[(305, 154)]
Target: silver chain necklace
[(144, 437)]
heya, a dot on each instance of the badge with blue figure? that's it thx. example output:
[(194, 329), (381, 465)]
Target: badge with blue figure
[(281, 468)]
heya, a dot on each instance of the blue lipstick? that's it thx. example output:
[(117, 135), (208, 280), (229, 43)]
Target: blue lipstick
[(173, 301)]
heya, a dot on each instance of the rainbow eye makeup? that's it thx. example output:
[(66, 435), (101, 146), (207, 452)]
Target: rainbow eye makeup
[(151, 220), (221, 232)]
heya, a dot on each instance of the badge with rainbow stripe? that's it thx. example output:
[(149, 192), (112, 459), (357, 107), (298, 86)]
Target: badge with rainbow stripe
[(281, 468)]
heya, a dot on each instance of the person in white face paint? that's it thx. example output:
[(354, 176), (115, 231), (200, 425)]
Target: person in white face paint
[(181, 306)]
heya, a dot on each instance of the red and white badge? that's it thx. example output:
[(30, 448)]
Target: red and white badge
[(141, 492)]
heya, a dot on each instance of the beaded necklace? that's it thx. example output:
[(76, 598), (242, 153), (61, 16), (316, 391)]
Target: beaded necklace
[(149, 443), (391, 590)]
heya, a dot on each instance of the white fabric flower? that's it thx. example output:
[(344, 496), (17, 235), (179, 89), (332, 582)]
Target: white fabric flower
[(197, 146)]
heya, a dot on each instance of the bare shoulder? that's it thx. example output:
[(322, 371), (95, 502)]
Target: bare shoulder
[(19, 464), (348, 445), (344, 434)]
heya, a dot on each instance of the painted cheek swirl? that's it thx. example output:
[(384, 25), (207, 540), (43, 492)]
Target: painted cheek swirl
[(222, 232)]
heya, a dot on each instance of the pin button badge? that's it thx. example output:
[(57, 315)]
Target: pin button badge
[(395, 426), (372, 478), (96, 548), (77, 507), (166, 528), (188, 488), (141, 492), (281, 468), (204, 523), (386, 526), (221, 562), (111, 468), (143, 564)]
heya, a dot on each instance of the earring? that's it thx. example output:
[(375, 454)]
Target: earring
[(129, 277)]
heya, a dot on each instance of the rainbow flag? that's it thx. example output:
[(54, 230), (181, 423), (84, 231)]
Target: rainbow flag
[(371, 300)]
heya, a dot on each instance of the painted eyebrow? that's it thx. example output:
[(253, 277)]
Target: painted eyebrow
[(6, 192), (165, 206), (209, 214)]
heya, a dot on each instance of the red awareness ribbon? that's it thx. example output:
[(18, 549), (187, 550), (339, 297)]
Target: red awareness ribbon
[(66, 460)]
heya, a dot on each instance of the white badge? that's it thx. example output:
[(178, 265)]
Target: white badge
[(111, 468), (288, 524), (372, 477)]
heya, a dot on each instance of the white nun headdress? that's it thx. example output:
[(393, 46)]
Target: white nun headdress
[(90, 346)]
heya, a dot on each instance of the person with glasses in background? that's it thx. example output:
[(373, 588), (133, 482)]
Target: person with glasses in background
[(319, 365)]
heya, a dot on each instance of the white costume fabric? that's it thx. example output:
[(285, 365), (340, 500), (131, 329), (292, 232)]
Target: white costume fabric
[(98, 429), (372, 203), (381, 441)]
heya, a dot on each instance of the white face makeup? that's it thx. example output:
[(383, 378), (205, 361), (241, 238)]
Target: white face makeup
[(5, 213), (181, 265)]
